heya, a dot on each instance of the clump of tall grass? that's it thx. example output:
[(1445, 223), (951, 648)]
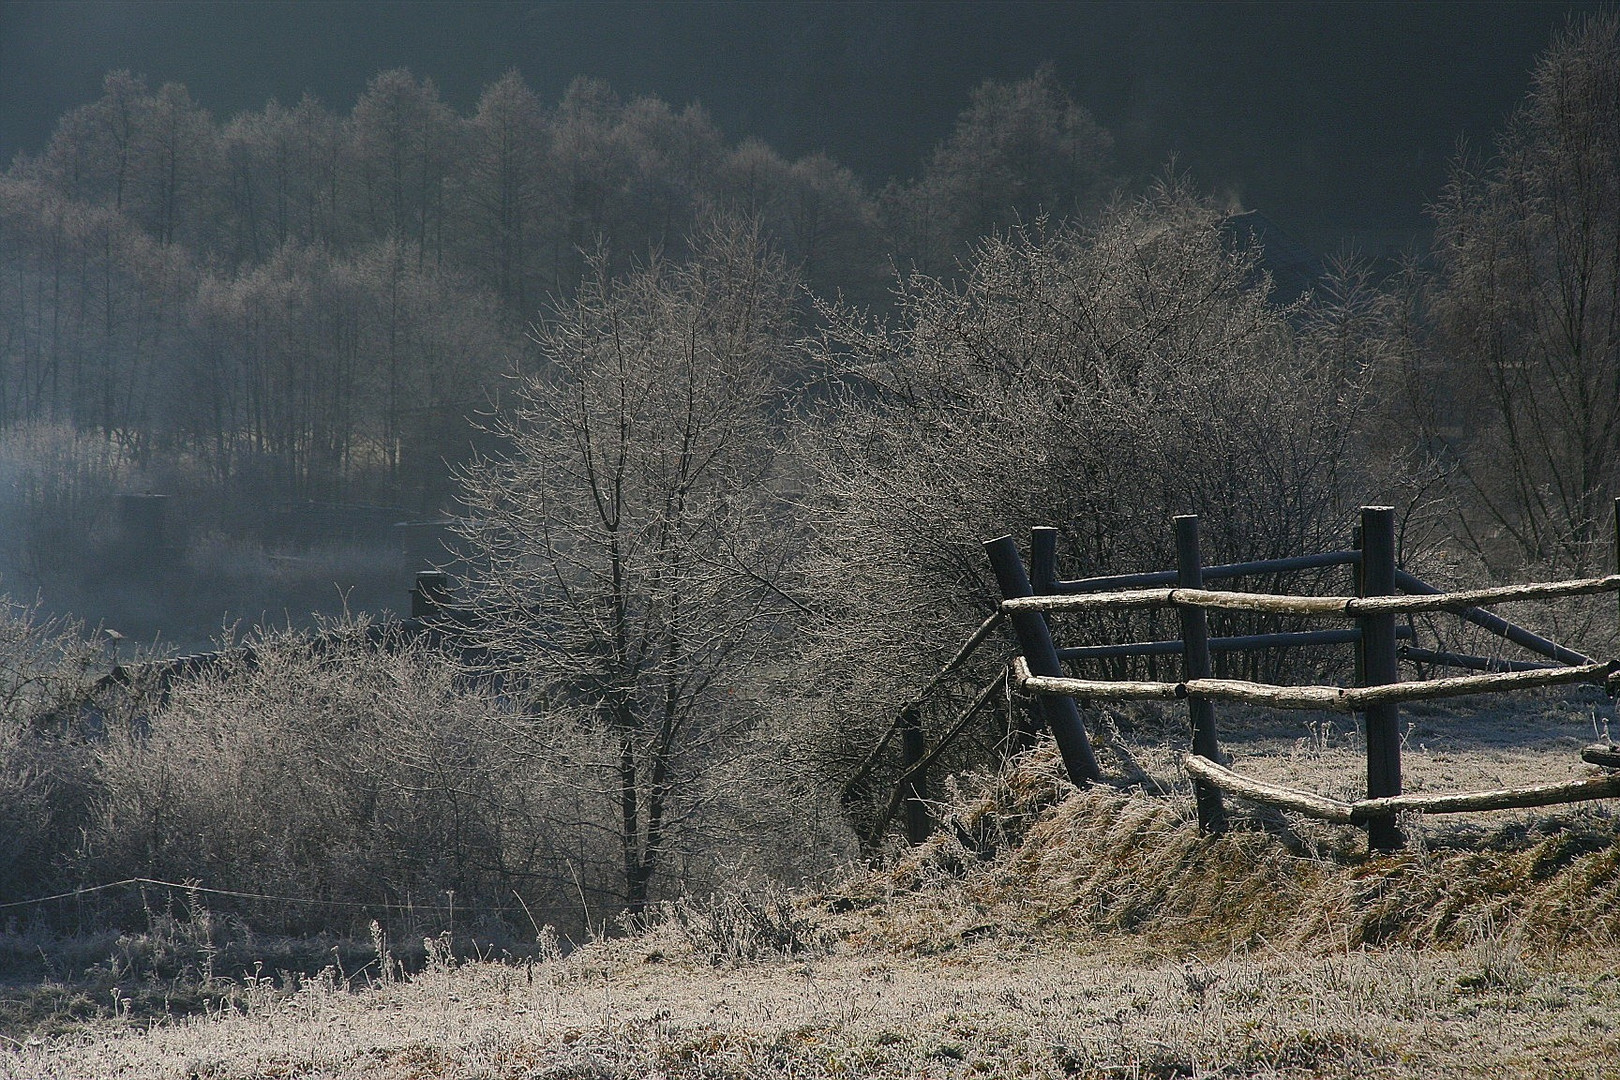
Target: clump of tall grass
[(741, 925), (1024, 852)]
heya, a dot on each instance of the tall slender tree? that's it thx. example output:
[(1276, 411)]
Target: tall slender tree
[(405, 143), (622, 528), (1019, 151), (507, 194), (1526, 310)]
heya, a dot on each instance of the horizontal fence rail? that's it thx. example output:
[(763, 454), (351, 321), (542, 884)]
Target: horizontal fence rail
[(1349, 607), (1292, 564), (1441, 658), (1364, 810), (1332, 698), (1243, 643), (1499, 626)]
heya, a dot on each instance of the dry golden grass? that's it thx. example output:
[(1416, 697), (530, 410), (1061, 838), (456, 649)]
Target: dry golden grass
[(995, 1006), (1045, 932)]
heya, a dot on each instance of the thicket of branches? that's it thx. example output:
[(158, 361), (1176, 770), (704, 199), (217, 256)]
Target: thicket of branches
[(1515, 351), (1097, 378)]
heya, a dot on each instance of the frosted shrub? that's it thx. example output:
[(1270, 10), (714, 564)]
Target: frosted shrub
[(332, 769), (46, 668)]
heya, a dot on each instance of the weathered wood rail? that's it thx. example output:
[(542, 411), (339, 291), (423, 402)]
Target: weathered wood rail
[(1364, 810), (1384, 591), (1332, 698), (1335, 606)]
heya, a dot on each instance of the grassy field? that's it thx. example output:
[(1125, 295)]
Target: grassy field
[(1044, 932), (1001, 1006)]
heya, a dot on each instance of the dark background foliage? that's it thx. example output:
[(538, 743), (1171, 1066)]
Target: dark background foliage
[(1337, 118)]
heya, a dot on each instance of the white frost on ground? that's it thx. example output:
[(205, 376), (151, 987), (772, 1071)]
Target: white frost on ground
[(633, 1009)]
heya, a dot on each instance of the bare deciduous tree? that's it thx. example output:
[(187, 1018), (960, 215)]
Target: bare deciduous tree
[(406, 142), (1019, 151), (1526, 312), (507, 193), (626, 570)]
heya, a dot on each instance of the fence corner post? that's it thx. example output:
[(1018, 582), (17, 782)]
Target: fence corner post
[(1195, 664), (1380, 665), (1060, 712)]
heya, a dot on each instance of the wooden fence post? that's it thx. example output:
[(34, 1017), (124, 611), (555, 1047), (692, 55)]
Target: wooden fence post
[(1360, 675), (911, 752), (1035, 641), (1043, 560), (1380, 664), (1195, 665)]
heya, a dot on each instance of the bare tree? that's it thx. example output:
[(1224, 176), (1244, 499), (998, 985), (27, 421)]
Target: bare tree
[(1019, 151), (406, 142), (1522, 372), (507, 194), (814, 209), (279, 180), (180, 150), (93, 152), (625, 566)]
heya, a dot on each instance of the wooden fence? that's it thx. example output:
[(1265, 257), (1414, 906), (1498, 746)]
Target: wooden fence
[(1383, 592)]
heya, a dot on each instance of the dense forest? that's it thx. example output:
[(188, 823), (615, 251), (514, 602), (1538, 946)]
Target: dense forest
[(723, 433), (313, 304)]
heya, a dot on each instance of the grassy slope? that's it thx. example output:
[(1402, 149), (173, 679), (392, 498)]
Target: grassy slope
[(1044, 932)]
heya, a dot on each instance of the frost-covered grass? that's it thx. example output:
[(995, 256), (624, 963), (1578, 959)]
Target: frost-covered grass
[(1042, 932), (1000, 1006)]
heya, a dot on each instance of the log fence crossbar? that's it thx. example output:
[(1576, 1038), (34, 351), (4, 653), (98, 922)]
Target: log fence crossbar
[(1362, 811), (1242, 643), (1291, 564), (1348, 607), (1415, 655), (1499, 626), (1333, 698)]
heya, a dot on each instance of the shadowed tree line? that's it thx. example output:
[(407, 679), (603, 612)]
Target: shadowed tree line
[(315, 303)]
